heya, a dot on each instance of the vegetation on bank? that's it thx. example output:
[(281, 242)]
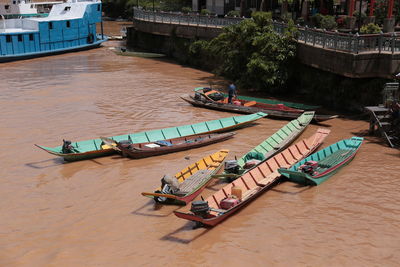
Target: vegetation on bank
[(250, 53)]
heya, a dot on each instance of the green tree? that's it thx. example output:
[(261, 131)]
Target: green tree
[(250, 53)]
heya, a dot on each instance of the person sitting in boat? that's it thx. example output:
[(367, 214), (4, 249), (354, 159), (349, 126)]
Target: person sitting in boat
[(68, 148), (231, 93), (169, 185)]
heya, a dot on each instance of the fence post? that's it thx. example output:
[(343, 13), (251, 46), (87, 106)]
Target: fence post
[(314, 36), (305, 34), (335, 40), (357, 40), (393, 40), (380, 42), (323, 38)]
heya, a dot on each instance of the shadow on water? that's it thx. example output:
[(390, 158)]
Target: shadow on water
[(151, 207), (189, 226), (45, 163)]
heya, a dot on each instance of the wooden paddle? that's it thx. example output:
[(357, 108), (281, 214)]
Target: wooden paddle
[(159, 195)]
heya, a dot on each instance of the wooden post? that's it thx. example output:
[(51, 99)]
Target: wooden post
[(371, 8), (390, 9), (351, 8)]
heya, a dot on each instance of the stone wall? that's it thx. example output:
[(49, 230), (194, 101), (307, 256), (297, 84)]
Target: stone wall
[(363, 65)]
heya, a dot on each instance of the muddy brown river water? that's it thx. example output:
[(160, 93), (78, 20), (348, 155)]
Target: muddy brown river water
[(91, 213)]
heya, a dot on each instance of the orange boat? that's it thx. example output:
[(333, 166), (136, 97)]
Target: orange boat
[(243, 190)]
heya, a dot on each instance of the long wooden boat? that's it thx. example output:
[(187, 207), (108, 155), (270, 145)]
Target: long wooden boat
[(246, 188), (149, 149), (95, 148), (192, 180), (321, 165), (281, 112), (272, 145), (267, 100)]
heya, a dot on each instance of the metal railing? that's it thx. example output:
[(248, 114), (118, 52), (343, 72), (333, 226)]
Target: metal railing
[(346, 42), (184, 19)]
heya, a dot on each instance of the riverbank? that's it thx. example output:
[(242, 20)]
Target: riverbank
[(307, 84)]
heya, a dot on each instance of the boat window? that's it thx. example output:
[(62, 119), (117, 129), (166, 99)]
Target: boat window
[(31, 37), (68, 24), (14, 2), (50, 25), (8, 38), (6, 6), (67, 8), (19, 38), (98, 7)]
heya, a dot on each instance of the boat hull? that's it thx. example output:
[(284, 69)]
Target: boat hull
[(274, 114), (294, 174), (194, 142), (218, 219), (9, 58), (269, 101), (212, 162), (255, 181), (90, 149)]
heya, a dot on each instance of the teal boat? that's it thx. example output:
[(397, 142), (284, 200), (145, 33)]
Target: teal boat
[(96, 148), (269, 101), (274, 144), (321, 165)]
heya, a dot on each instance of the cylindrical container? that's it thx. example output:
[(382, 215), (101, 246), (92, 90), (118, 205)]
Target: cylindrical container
[(237, 192)]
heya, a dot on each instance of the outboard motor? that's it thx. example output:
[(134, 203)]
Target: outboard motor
[(309, 167), (200, 208), (197, 96), (231, 166), (217, 96), (66, 147), (125, 143)]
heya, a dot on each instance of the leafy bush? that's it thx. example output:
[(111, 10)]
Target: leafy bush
[(205, 12), (186, 10), (233, 13), (370, 28), (328, 22), (250, 53), (316, 20)]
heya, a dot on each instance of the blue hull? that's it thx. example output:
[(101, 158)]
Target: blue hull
[(51, 52)]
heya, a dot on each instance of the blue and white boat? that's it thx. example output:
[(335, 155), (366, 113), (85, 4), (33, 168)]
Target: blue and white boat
[(26, 8), (70, 26)]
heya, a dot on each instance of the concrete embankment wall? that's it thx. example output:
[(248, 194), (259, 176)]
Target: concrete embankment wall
[(325, 77)]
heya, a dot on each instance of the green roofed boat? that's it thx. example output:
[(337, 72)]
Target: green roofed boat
[(269, 101), (269, 147), (73, 151), (321, 165)]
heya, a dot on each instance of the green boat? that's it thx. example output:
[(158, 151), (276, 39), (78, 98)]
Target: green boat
[(274, 144), (269, 101), (96, 148), (321, 165)]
